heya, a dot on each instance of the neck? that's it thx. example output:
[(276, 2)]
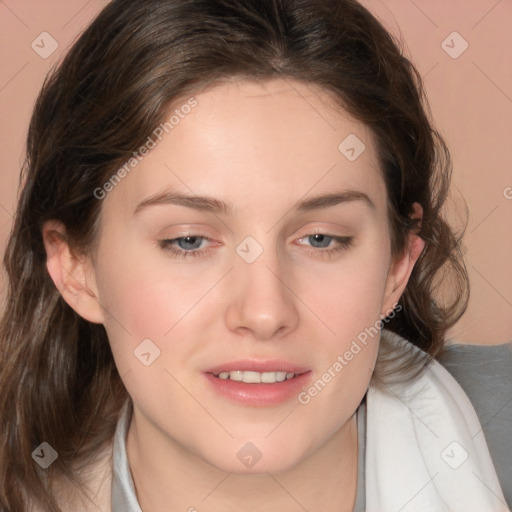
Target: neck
[(167, 476)]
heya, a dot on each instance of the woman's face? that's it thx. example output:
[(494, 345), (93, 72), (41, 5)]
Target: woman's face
[(288, 264)]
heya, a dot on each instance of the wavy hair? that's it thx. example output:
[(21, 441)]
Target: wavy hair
[(113, 88)]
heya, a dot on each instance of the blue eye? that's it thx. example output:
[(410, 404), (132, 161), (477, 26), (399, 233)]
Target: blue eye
[(189, 242), (184, 246), (325, 244), (318, 244), (320, 241)]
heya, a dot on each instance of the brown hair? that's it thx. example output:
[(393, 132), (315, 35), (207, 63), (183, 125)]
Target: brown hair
[(58, 378)]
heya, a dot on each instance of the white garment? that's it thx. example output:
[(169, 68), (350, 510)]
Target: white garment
[(425, 448)]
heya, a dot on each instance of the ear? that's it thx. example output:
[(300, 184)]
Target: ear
[(401, 266), (72, 274)]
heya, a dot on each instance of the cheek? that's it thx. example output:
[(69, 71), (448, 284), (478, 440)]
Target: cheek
[(347, 303), (348, 307), (142, 299), (347, 297)]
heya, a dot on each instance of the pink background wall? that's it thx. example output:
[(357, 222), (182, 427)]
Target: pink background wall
[(470, 94)]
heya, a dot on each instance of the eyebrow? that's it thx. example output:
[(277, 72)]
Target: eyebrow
[(210, 204)]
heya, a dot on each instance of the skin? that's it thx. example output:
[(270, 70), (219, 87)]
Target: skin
[(260, 147)]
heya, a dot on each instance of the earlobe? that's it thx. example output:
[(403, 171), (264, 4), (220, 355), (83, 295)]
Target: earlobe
[(71, 274)]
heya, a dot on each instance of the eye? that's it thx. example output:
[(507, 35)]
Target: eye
[(325, 244), (196, 245), (184, 246)]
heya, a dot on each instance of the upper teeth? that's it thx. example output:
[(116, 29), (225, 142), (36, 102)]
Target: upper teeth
[(255, 377)]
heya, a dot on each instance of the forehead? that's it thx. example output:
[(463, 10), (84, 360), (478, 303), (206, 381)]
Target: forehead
[(268, 142)]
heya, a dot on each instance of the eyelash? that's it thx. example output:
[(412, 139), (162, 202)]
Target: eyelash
[(344, 242)]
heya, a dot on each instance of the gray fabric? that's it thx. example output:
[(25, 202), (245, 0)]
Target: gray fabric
[(485, 374), (124, 498), (360, 504)]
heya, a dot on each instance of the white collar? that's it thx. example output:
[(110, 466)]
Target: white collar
[(426, 451)]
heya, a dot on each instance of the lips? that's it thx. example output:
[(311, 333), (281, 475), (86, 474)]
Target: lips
[(258, 383)]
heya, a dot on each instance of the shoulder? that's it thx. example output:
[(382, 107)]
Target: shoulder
[(429, 389), (424, 429), (485, 374)]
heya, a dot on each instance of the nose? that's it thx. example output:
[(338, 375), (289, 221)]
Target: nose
[(262, 303)]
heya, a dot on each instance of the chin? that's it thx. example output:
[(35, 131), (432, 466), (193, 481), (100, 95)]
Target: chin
[(248, 457)]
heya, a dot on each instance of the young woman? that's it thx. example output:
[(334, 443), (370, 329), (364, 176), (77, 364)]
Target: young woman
[(223, 205)]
